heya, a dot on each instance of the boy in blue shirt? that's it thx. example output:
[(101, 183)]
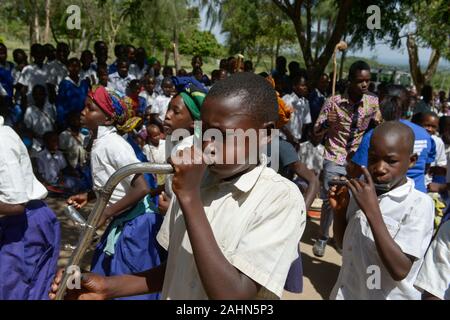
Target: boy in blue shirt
[(393, 107)]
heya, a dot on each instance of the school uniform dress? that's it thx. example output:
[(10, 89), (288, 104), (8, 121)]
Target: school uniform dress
[(246, 215), (137, 72), (71, 98), (40, 121), (90, 74), (149, 98), (408, 215), (29, 243), (50, 165), (129, 243), (156, 154), (58, 72)]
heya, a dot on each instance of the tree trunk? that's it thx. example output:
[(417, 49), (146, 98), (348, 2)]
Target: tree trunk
[(316, 55), (176, 54), (47, 21), (34, 23), (420, 79), (166, 57)]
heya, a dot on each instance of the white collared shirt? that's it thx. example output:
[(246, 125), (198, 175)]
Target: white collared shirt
[(40, 121), (90, 74), (73, 147), (150, 99), (58, 71), (137, 72), (50, 165), (32, 75), (156, 154), (408, 215), (257, 220), (18, 185), (109, 153), (434, 276), (300, 116), (116, 82), (160, 106)]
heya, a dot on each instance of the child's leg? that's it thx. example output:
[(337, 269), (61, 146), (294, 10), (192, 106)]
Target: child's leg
[(29, 251)]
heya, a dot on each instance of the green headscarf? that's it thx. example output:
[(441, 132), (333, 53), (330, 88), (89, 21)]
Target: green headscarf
[(193, 101)]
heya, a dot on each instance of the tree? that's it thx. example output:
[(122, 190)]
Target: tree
[(201, 43)]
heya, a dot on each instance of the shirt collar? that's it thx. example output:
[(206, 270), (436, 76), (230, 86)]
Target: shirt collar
[(401, 192), (75, 83), (104, 131), (245, 182)]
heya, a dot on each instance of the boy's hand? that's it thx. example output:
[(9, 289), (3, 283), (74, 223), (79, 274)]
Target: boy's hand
[(332, 115), (163, 203), (93, 287), (188, 175), (364, 193), (78, 200), (339, 198)]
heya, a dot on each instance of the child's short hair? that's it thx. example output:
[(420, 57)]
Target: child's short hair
[(38, 87), (299, 78), (49, 135), (73, 60), (357, 66), (390, 127), (257, 96)]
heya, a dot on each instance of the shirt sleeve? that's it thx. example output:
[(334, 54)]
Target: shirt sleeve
[(307, 114), (434, 275), (416, 229), (362, 154), (323, 115), (264, 253), (431, 152)]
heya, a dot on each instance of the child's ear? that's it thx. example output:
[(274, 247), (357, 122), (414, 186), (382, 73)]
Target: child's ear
[(412, 160)]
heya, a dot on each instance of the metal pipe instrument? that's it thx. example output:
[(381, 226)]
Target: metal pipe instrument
[(103, 196)]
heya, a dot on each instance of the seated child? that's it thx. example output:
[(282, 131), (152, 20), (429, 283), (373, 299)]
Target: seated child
[(386, 225), (30, 231)]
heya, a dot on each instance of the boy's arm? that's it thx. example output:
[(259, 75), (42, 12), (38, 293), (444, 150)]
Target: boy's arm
[(309, 176), (396, 262), (220, 279), (7, 209), (339, 199)]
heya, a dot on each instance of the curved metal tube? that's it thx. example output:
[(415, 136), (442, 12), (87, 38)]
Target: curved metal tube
[(103, 196)]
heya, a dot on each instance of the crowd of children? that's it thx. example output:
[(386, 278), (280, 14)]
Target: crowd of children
[(224, 231)]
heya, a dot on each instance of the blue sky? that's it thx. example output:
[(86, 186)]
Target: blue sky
[(382, 52)]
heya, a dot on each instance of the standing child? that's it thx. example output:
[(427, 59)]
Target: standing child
[(301, 115), (155, 149), (129, 244), (120, 80), (386, 226), (71, 94), (222, 229), (30, 231), (87, 69), (161, 104)]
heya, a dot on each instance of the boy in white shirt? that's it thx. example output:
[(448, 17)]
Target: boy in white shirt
[(222, 229), (161, 104), (120, 80), (302, 115), (385, 227), (434, 275)]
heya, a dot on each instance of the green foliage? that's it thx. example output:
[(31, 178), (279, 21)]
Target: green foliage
[(202, 43)]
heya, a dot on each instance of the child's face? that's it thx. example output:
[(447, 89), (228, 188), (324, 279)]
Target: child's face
[(360, 84), (39, 97), (20, 58), (389, 159), (301, 89), (3, 55), (74, 69), (102, 77), (39, 56), (430, 123), (122, 69), (148, 115), (92, 116), (177, 116), (154, 135), (168, 89), (86, 60), (150, 85), (52, 144), (223, 114)]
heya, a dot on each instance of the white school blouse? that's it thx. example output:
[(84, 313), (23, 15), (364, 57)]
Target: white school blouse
[(257, 220), (109, 153), (408, 215), (18, 184)]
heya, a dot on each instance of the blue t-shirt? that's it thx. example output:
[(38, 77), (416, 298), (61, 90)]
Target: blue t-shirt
[(71, 98), (424, 147)]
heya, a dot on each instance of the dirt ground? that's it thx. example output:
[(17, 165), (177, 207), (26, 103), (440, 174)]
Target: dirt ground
[(319, 274)]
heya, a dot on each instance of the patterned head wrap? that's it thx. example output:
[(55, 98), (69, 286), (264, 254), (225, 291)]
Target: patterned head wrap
[(111, 103)]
